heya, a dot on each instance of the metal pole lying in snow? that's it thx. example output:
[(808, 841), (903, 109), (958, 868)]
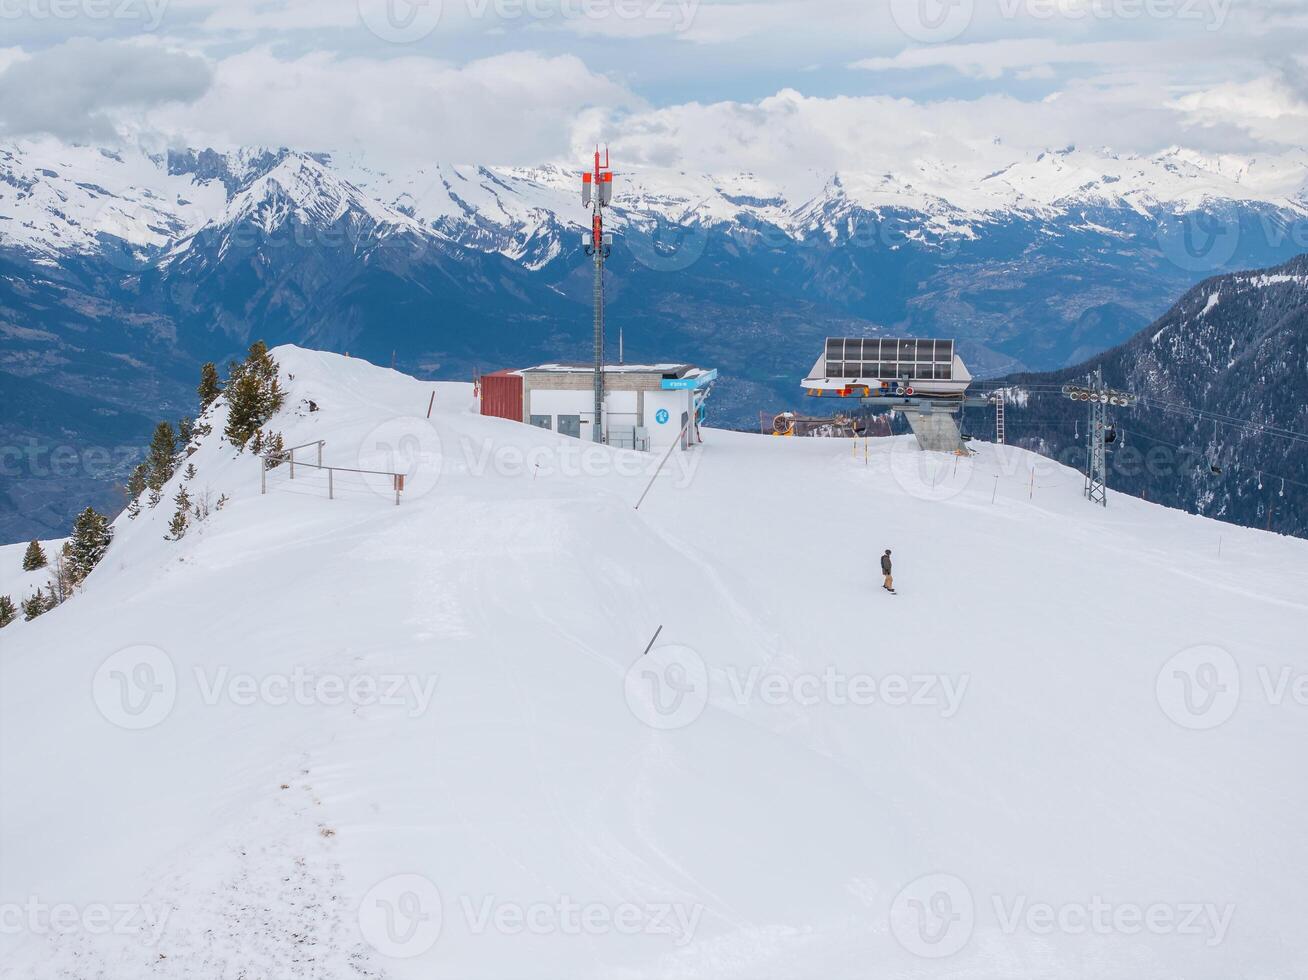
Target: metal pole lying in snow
[(674, 445)]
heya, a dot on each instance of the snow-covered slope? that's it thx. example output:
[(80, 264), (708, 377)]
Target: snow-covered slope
[(329, 738), (18, 583)]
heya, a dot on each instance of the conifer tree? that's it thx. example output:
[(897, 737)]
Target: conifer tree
[(135, 487), (136, 482), (91, 537), (177, 526), (242, 408), (273, 450), (33, 606), (162, 460), (254, 394), (185, 431), (210, 387), (7, 611), (190, 472), (33, 557), (63, 577)]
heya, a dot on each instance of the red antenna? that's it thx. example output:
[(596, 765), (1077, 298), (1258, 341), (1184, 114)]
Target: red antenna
[(596, 193)]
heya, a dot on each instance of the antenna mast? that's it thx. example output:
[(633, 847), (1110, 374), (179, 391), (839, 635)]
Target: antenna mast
[(597, 192)]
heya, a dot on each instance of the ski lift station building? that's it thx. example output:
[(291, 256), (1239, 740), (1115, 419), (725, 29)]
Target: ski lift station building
[(646, 406)]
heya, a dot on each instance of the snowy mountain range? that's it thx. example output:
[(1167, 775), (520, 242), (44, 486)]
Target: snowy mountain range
[(61, 198), (120, 270), (317, 737)]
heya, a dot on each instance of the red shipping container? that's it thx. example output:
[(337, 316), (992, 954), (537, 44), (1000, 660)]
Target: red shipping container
[(501, 395)]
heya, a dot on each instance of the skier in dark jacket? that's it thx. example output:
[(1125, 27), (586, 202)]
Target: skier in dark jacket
[(889, 584)]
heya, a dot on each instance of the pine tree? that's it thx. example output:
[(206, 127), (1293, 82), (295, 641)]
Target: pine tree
[(242, 408), (177, 526), (136, 482), (256, 444), (190, 472), (91, 537), (135, 487), (153, 498), (254, 394), (33, 606), (63, 577), (274, 450), (210, 387), (162, 460), (7, 611), (33, 557), (185, 430)]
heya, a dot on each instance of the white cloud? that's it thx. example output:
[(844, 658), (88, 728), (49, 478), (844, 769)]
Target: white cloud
[(511, 108), (77, 90), (1267, 108), (990, 59)]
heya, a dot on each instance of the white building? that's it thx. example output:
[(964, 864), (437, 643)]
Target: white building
[(646, 406)]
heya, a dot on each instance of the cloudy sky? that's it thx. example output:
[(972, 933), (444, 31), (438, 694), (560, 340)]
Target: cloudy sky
[(704, 85)]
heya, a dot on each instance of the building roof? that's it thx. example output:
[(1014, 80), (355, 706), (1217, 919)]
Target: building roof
[(663, 370)]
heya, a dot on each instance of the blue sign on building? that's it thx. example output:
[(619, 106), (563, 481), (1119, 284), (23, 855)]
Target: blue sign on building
[(661, 416), (681, 384)]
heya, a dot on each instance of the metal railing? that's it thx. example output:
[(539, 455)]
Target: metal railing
[(288, 456)]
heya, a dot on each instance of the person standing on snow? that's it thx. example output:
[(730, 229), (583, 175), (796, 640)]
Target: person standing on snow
[(889, 584)]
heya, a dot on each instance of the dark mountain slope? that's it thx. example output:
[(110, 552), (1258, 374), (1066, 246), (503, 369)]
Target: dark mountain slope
[(1223, 385)]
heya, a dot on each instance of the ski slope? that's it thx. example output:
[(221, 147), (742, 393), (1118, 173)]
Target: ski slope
[(343, 738)]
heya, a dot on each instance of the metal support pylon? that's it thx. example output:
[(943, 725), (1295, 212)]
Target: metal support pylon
[(1096, 471)]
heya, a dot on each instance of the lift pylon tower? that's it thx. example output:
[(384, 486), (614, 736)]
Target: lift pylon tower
[(1099, 434), (596, 193)]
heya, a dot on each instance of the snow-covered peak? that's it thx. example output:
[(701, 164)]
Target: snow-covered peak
[(300, 186), (57, 198)]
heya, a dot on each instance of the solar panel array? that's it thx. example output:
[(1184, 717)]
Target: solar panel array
[(890, 358)]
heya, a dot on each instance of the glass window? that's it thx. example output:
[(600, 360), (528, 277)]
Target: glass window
[(836, 369), (835, 350), (925, 350), (907, 350), (944, 350)]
